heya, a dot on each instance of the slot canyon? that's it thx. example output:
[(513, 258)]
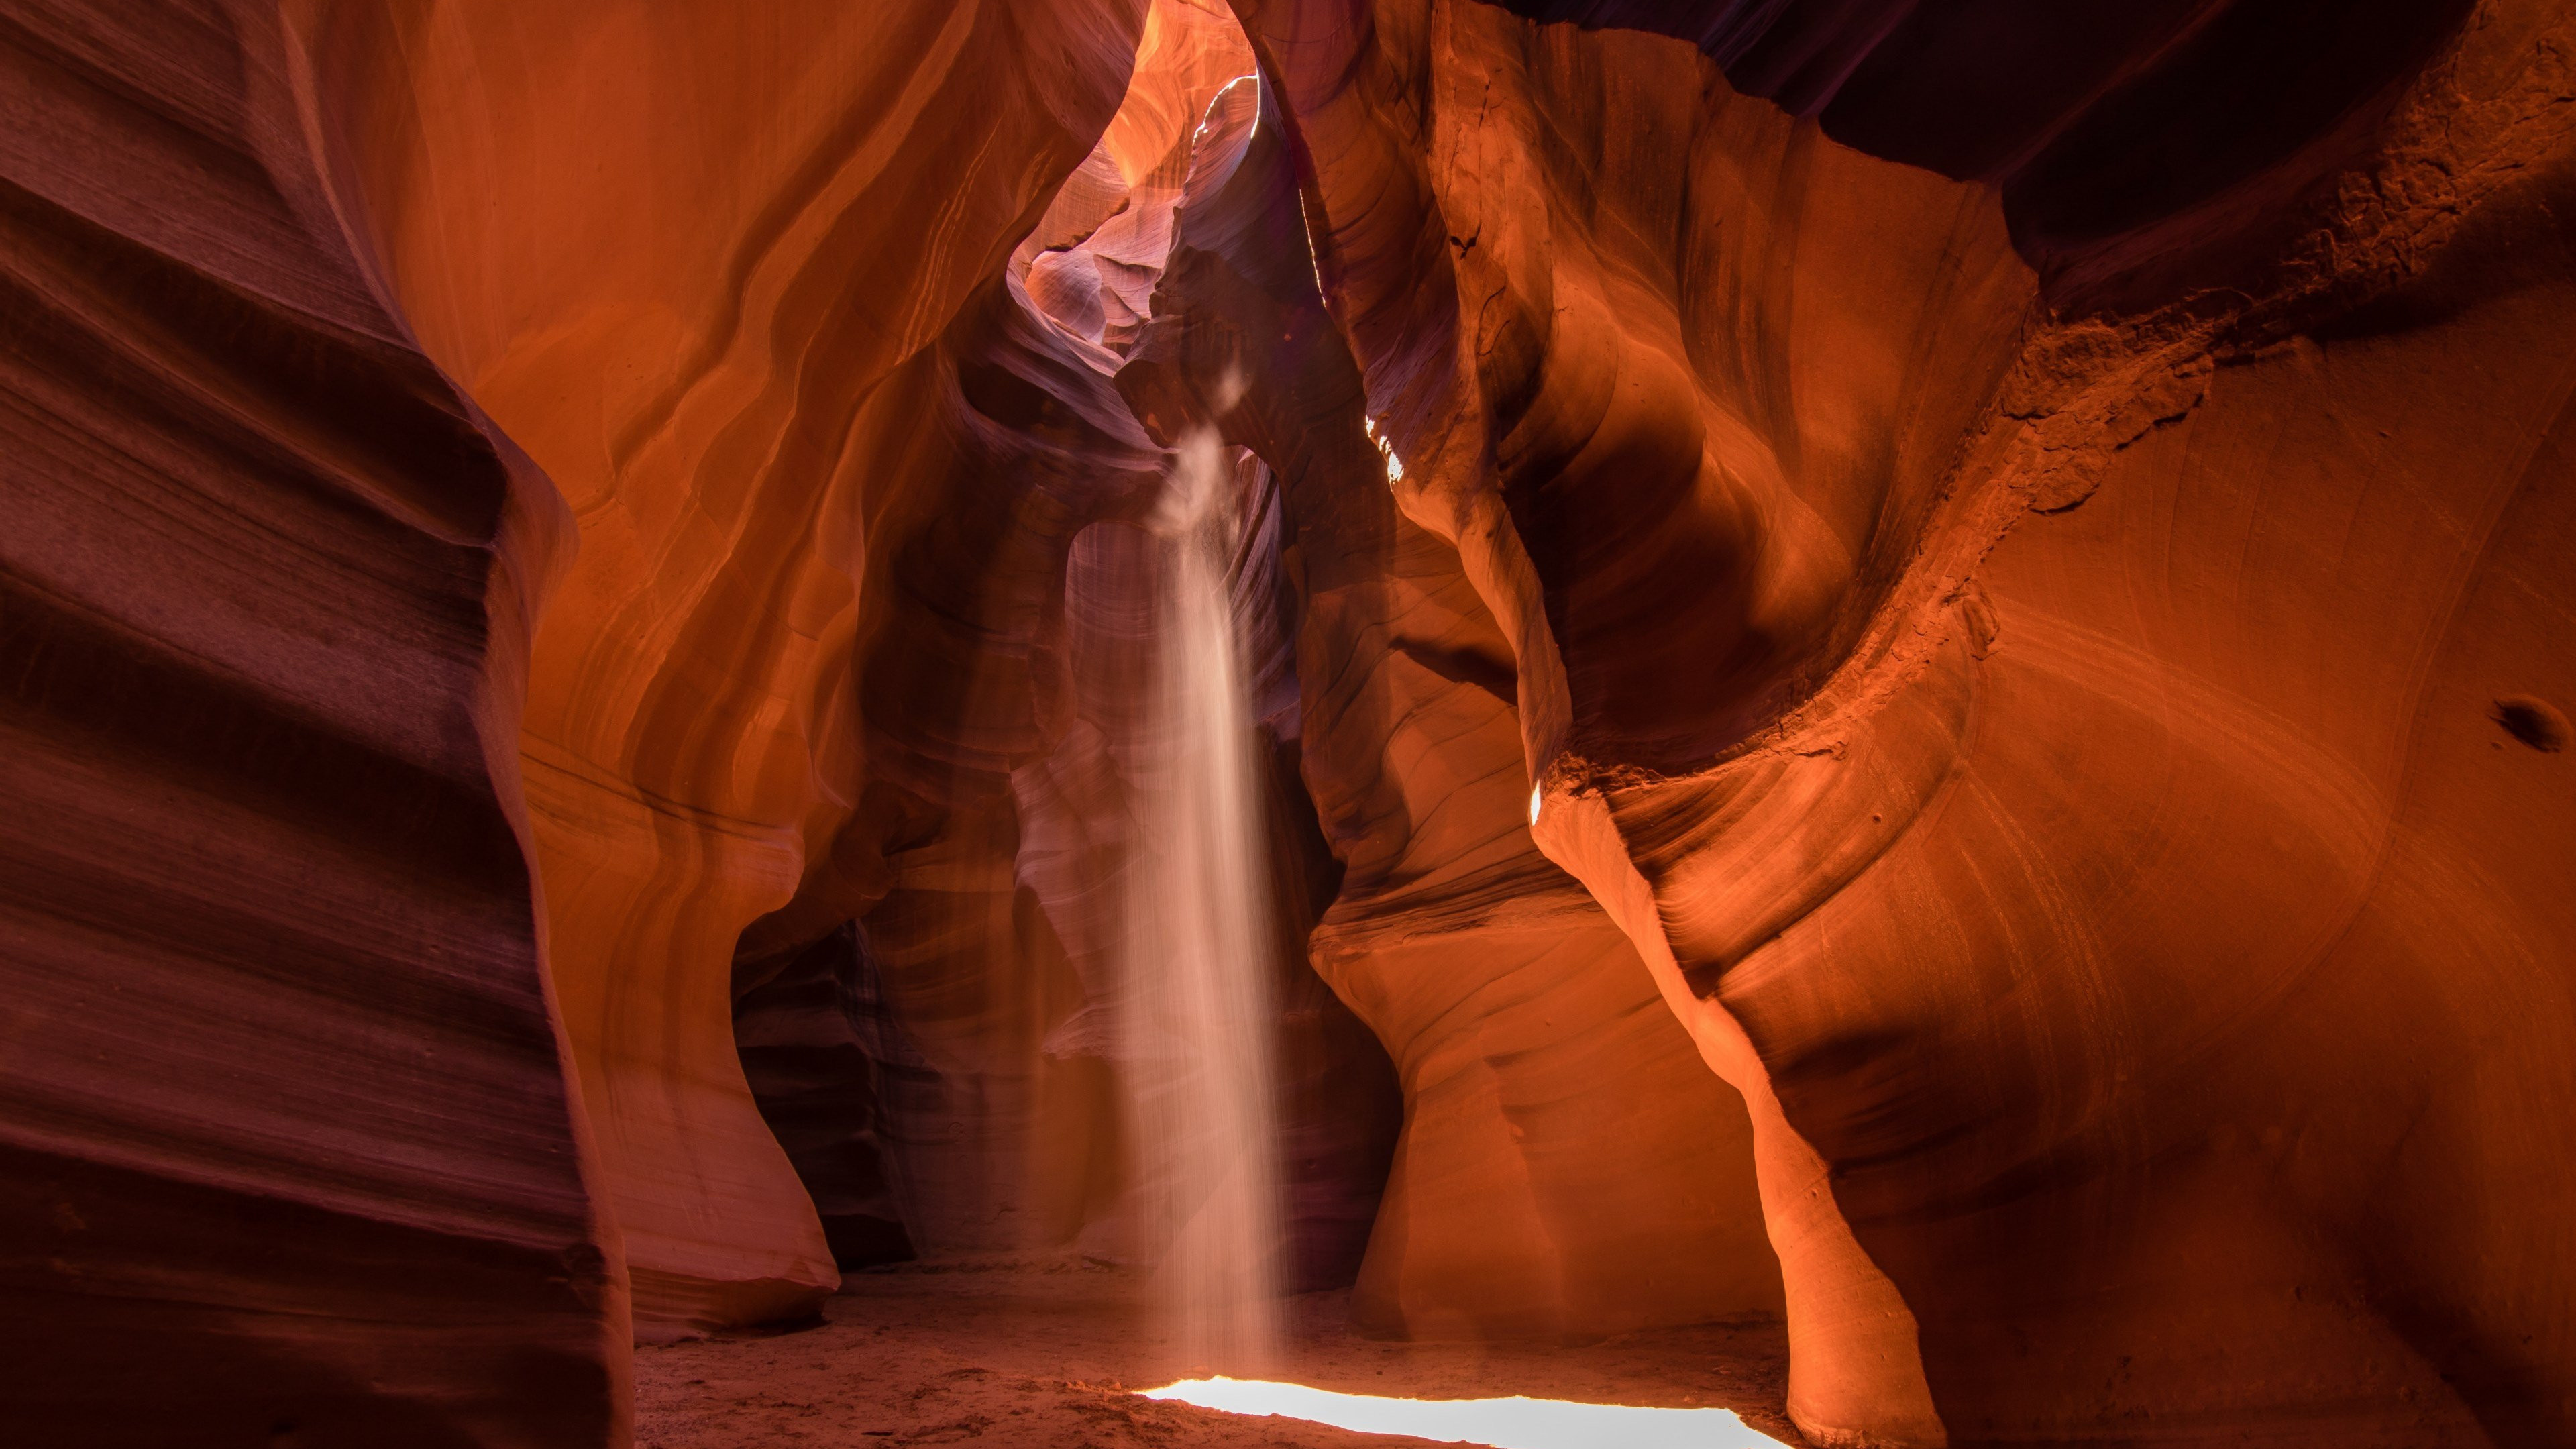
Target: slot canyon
[(732, 723)]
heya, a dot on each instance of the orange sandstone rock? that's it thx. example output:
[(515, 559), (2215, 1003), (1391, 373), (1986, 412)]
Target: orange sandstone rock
[(1916, 661), (700, 241), (288, 1141), (2015, 866), (1567, 1169)]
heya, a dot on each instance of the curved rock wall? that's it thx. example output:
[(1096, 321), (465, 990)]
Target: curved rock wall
[(287, 1143), (698, 241), (1992, 572), (2033, 682), (1004, 637), (2139, 152), (811, 1057), (1567, 1169)]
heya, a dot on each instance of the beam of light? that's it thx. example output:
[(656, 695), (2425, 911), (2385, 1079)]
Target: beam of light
[(1195, 1003), (1514, 1423)]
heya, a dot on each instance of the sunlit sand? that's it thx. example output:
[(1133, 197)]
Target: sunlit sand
[(1514, 1423)]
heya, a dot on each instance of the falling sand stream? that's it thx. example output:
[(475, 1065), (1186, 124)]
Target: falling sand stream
[(1197, 974)]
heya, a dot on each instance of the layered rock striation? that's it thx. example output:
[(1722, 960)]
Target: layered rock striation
[(1914, 661), (1913, 654), (702, 243), (288, 1143), (1007, 634), (1567, 1168)]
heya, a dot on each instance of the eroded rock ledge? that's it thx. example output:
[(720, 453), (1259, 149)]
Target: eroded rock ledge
[(1915, 658)]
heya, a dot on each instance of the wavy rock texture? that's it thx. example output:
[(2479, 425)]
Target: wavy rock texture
[(1567, 1168), (287, 1144), (2058, 888), (1004, 639), (820, 1072), (1992, 572), (702, 241)]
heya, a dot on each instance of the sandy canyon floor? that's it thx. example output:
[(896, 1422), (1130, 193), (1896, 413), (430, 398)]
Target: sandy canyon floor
[(1014, 1357)]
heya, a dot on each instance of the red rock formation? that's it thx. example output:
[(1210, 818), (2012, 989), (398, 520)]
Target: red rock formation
[(287, 1146), (1004, 633), (1567, 1168), (2059, 889), (811, 1060), (704, 240), (1992, 574)]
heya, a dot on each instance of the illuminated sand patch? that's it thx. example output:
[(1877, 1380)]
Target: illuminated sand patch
[(1514, 1423)]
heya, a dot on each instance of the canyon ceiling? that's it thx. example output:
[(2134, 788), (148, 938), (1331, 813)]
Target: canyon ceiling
[(1909, 657)]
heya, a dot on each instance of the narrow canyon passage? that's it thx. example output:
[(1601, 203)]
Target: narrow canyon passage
[(733, 724)]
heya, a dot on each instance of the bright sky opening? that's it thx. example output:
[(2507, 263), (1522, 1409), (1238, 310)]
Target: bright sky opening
[(1514, 1423)]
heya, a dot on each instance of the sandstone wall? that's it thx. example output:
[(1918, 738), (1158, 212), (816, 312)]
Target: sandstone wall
[(2026, 657), (1567, 1169), (1915, 658), (287, 1143), (676, 250)]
